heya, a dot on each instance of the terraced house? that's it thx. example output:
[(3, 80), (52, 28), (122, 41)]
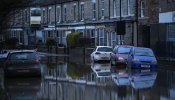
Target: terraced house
[(19, 26), (101, 20)]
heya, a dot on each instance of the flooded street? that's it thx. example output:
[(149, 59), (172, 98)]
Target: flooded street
[(67, 79)]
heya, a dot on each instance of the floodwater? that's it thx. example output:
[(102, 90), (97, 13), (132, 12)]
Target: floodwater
[(71, 79)]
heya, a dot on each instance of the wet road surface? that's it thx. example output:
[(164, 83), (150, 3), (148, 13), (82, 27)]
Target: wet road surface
[(66, 79)]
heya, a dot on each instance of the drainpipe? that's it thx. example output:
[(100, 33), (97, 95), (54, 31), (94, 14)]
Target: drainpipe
[(120, 36), (136, 15)]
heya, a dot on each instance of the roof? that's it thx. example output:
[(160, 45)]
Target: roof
[(16, 51), (143, 48), (105, 46)]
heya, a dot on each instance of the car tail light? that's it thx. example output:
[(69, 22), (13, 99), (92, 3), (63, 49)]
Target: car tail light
[(36, 61), (97, 53)]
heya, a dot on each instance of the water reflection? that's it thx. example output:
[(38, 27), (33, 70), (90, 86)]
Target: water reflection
[(101, 69), (66, 80), (121, 77), (142, 78), (22, 88)]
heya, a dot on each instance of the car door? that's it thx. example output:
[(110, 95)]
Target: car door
[(130, 56), (113, 54)]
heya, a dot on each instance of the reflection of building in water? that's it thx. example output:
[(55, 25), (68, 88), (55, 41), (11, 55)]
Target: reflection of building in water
[(70, 91), (78, 73)]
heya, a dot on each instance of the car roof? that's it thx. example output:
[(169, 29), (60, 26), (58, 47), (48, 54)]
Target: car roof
[(104, 46), (17, 51), (124, 46), (142, 48)]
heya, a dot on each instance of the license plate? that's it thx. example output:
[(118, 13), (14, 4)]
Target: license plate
[(23, 71), (104, 57), (145, 65), (145, 70)]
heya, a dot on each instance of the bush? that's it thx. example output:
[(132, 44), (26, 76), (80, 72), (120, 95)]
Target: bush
[(11, 43), (72, 39), (84, 41), (50, 42), (61, 45)]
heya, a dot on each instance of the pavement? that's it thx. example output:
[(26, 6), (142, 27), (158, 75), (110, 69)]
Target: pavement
[(51, 54)]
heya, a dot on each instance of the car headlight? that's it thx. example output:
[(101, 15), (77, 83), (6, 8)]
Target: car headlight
[(154, 61), (135, 59), (120, 58)]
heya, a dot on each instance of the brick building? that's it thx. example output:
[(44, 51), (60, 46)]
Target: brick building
[(163, 33), (18, 26)]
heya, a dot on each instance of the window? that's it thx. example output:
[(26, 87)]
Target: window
[(142, 8), (82, 11), (58, 14), (49, 14), (22, 55), (129, 7), (115, 7), (49, 34), (26, 15), (92, 33), (94, 10), (74, 7), (65, 14), (102, 9), (101, 33), (171, 32), (113, 39), (43, 15)]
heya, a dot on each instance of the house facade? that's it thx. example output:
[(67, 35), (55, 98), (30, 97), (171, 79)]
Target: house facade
[(163, 33), (19, 26), (96, 19)]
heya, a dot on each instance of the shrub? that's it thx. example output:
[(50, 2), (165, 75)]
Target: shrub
[(72, 39), (84, 41), (50, 42)]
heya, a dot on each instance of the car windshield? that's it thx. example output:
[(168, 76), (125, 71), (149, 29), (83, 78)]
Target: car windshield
[(104, 49), (143, 52), (22, 56), (123, 50)]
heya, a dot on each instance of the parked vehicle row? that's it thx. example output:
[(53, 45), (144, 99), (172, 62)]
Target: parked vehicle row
[(133, 57)]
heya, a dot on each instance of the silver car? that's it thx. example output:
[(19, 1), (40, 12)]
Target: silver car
[(101, 53)]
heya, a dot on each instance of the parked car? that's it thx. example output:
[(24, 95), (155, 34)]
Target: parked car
[(140, 57), (22, 62), (3, 54), (101, 53), (120, 54)]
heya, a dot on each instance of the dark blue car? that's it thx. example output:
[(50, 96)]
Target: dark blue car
[(140, 57)]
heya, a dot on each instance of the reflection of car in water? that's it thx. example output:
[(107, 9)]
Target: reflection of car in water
[(142, 78), (121, 77), (101, 69), (23, 88)]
